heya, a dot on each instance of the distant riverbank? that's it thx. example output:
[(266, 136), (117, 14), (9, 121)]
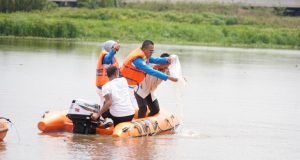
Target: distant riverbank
[(245, 29)]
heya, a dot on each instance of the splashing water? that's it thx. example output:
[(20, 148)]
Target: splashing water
[(175, 71)]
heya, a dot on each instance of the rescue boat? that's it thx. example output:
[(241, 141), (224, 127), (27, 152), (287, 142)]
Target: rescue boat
[(3, 128), (162, 123)]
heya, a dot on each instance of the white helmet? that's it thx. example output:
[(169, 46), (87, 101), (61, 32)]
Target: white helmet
[(108, 45)]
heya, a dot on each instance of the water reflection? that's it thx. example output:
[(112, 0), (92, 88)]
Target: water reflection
[(136, 148), (2, 148), (106, 147), (49, 46), (99, 147), (32, 44)]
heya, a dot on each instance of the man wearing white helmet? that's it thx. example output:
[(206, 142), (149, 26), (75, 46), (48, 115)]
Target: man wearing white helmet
[(106, 58)]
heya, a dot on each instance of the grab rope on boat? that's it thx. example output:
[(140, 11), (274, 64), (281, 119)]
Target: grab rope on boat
[(8, 120), (147, 127), (144, 127), (163, 130), (156, 128), (138, 127), (13, 126), (173, 126)]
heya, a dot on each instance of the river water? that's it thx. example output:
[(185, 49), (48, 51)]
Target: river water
[(237, 103)]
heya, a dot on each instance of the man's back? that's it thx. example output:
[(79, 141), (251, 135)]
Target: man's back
[(121, 104)]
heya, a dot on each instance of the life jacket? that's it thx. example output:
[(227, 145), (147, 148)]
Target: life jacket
[(133, 75), (101, 75)]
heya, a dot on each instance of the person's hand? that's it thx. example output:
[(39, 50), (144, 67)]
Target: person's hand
[(156, 66), (173, 79), (167, 71), (95, 116), (169, 59), (116, 46)]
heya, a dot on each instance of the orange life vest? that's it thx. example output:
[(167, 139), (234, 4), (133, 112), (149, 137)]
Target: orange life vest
[(133, 75), (101, 75)]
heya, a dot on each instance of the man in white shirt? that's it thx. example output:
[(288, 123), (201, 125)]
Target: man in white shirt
[(144, 93), (117, 104)]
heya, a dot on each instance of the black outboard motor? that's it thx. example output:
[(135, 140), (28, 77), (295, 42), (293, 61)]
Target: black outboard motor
[(80, 113)]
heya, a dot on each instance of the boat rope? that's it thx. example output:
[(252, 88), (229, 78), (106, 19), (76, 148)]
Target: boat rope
[(13, 126), (171, 125), (144, 127), (160, 129), (154, 125), (8, 120), (143, 124), (147, 126), (138, 127), (46, 112), (147, 129), (174, 125), (156, 128)]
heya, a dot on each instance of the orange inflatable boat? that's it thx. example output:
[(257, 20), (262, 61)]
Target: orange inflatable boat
[(3, 128), (162, 123)]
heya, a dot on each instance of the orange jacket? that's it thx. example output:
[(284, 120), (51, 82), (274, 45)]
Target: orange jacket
[(101, 76), (133, 75)]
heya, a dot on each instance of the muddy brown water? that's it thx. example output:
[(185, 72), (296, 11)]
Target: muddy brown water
[(237, 104)]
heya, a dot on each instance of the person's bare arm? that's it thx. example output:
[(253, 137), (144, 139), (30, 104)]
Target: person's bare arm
[(105, 107), (172, 79)]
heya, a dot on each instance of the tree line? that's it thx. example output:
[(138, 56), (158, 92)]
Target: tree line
[(29, 5), (22, 5)]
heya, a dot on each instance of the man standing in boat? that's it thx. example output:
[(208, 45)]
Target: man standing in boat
[(117, 104), (136, 66), (106, 58)]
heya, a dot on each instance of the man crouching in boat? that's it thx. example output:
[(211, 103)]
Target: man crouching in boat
[(117, 104), (144, 93)]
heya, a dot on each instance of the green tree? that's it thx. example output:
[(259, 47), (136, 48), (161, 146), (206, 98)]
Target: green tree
[(22, 5)]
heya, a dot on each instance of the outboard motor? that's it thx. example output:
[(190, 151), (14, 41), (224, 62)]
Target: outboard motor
[(80, 113)]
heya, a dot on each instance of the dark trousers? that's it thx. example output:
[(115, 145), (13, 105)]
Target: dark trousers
[(117, 120), (143, 103)]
